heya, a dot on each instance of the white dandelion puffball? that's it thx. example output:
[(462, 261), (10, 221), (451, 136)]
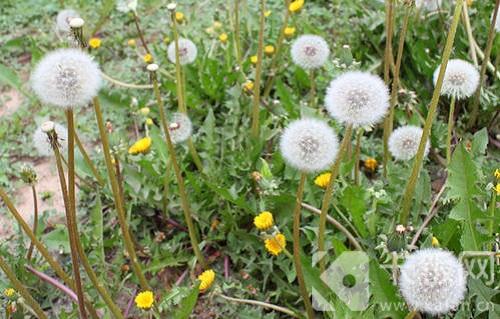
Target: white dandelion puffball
[(126, 5), (180, 127), (63, 18), (433, 281), (310, 51), (404, 142), (309, 145), (66, 78), (429, 5), (187, 51), (357, 98), (461, 79), (41, 141)]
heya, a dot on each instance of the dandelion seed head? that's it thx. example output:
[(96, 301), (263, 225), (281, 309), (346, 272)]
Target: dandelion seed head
[(309, 145), (357, 98), (180, 127), (41, 140), (187, 51), (433, 281), (461, 79), (404, 142), (429, 5), (66, 78), (63, 19), (310, 51)]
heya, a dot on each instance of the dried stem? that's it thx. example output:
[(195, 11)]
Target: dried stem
[(125, 85), (258, 73), (139, 31), (261, 304)]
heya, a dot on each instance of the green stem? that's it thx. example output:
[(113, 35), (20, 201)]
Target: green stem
[(87, 160), (487, 52), (19, 287), (389, 120), (313, 88), (261, 304), (389, 20), (70, 206), (180, 180), (129, 245), (417, 165), (411, 315), (327, 197), (178, 70), (357, 154), (35, 221), (450, 130), (296, 248), (236, 37), (491, 224), (274, 69), (258, 73)]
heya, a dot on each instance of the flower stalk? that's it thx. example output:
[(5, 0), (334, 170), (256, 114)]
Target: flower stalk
[(35, 221), (127, 239), (417, 165), (177, 170), (296, 247), (327, 197), (357, 154), (449, 136), (258, 73)]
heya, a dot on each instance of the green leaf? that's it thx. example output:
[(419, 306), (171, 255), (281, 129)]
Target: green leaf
[(187, 305), (98, 229), (385, 294), (480, 142), (353, 199)]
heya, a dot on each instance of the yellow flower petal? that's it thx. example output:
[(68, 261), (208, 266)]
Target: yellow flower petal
[(144, 300), (94, 43), (296, 5), (223, 37), (264, 220), (206, 279), (141, 146), (276, 244), (322, 180), (289, 31)]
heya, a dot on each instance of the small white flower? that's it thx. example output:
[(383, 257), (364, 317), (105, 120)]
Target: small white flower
[(429, 5), (309, 145), (357, 98), (404, 142), (126, 5), (433, 281), (66, 78), (63, 18), (187, 51), (180, 127), (41, 140), (310, 51), (461, 79)]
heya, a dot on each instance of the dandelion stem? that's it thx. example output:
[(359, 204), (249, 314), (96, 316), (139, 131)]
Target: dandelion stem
[(327, 197), (450, 130), (313, 88), (274, 69), (139, 31), (236, 37), (296, 247), (180, 181), (125, 85), (258, 73), (35, 221), (491, 209), (87, 160), (357, 154), (487, 52), (19, 287), (70, 206), (129, 245), (389, 120), (417, 165), (468, 29), (261, 304)]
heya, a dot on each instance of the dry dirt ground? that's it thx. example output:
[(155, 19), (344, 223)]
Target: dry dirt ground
[(48, 183)]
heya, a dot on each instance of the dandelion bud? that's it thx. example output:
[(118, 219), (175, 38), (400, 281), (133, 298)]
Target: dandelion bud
[(433, 281), (28, 174), (63, 18), (357, 98), (461, 79), (66, 78), (310, 51), (76, 23), (309, 145), (404, 142), (180, 127), (187, 51), (41, 141)]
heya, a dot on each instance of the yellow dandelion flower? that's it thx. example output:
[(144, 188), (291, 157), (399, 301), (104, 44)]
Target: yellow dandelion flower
[(497, 173), (9, 292), (323, 180), (145, 111), (223, 37), (131, 43), (144, 300), (296, 5), (217, 25), (267, 13), (141, 146), (94, 43), (371, 164), (497, 189), (206, 279), (276, 244), (435, 242), (269, 50), (166, 40), (289, 31), (179, 16), (148, 58), (248, 86), (254, 59), (149, 121), (264, 220), (470, 2)]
